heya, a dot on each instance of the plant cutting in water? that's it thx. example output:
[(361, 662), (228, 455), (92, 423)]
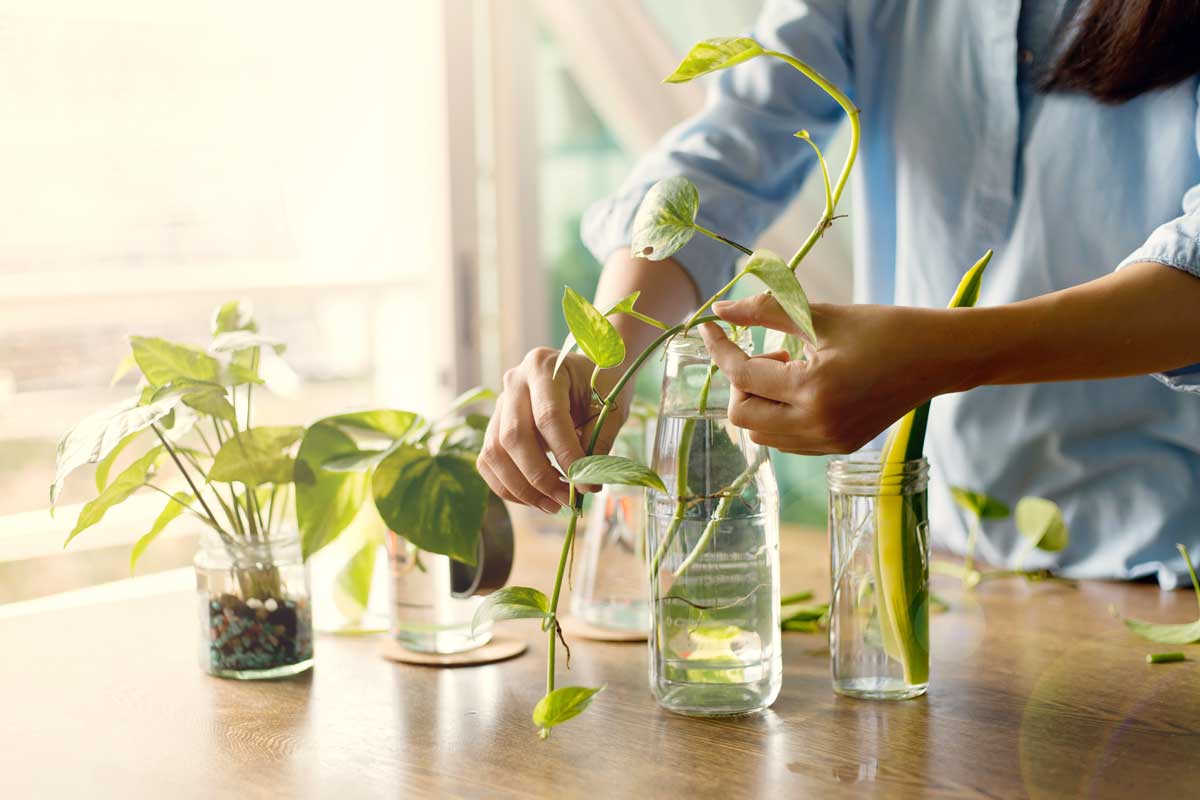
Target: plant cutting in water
[(194, 409), (1039, 521), (664, 223)]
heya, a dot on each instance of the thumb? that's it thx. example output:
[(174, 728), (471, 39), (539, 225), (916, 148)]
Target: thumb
[(762, 310)]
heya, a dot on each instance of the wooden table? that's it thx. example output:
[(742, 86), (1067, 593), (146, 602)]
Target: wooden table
[(1036, 692)]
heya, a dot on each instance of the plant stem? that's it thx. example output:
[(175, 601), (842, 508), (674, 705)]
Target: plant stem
[(186, 477), (696, 319), (188, 506), (1164, 658), (745, 250), (972, 535), (721, 512)]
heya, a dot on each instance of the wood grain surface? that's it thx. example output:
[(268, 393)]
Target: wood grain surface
[(1036, 692)]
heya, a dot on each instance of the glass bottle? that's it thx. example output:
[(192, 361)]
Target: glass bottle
[(611, 591), (713, 545), (254, 609), (879, 553)]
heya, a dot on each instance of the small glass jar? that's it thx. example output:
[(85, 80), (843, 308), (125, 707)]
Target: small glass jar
[(611, 591), (879, 553), (253, 602), (713, 545), (428, 615)]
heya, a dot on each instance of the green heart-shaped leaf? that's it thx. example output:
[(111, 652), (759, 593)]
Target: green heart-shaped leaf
[(164, 362), (326, 500), (597, 337), (771, 270), (614, 469), (256, 456), (1041, 521), (387, 422), (622, 306), (437, 502), (1171, 633), (666, 219), (562, 705), (176, 505), (981, 505), (511, 602), (234, 315), (711, 55), (129, 481)]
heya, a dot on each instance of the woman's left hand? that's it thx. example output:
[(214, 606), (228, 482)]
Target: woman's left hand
[(873, 365)]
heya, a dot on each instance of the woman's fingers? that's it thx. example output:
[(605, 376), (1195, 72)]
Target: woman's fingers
[(519, 436), (757, 414), (497, 467), (765, 377), (550, 400), (762, 309)]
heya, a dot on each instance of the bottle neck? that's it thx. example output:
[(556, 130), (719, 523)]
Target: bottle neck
[(865, 474)]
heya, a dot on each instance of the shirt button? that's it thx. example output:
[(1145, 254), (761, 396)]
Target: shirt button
[(1026, 56)]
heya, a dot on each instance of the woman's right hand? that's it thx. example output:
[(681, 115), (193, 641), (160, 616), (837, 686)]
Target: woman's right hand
[(537, 412)]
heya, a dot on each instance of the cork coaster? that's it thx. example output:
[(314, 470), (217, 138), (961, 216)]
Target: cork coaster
[(499, 648), (574, 626)]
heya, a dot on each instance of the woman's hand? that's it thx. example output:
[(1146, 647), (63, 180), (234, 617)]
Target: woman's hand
[(874, 364), (535, 413)]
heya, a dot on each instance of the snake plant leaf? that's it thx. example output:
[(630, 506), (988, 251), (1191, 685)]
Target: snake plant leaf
[(257, 456), (981, 505), (131, 479), (176, 505), (614, 469), (326, 500), (1171, 633), (97, 435), (470, 397), (511, 602), (666, 219), (774, 272), (437, 502), (233, 315), (597, 338), (562, 705), (164, 362), (1041, 522), (234, 341), (711, 55)]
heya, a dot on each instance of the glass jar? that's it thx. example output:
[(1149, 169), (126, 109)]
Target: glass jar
[(434, 597), (611, 591), (713, 541), (253, 602), (879, 553)]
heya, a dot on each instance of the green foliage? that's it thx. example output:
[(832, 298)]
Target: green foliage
[(238, 340), (614, 469), (596, 336), (129, 481), (666, 219), (437, 502), (771, 270), (176, 505), (164, 362), (326, 501), (1171, 633), (563, 704), (979, 504), (622, 306), (105, 465), (711, 55), (1041, 522), (511, 602), (354, 579), (257, 456), (470, 397), (234, 315)]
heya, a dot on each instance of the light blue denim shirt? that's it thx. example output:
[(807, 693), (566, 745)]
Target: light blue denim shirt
[(959, 154)]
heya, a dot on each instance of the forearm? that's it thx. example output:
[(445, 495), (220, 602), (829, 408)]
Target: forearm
[(667, 294), (1142, 319)]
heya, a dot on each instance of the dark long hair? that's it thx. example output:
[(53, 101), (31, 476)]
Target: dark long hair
[(1119, 49)]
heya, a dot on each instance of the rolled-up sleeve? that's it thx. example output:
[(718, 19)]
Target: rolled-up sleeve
[(740, 150), (1177, 244)]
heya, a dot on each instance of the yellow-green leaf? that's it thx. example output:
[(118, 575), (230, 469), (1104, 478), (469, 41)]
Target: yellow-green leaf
[(129, 481), (1171, 633), (511, 602), (562, 705), (256, 456), (666, 219), (164, 362), (981, 505), (597, 337), (178, 504), (774, 272), (614, 469), (1041, 522), (711, 55)]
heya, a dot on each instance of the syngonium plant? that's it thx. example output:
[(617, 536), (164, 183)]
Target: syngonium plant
[(665, 222), (195, 408)]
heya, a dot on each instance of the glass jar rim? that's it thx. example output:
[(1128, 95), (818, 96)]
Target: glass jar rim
[(691, 344), (863, 473), (280, 546)]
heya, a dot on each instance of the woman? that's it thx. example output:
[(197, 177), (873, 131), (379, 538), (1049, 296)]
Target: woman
[(1063, 135)]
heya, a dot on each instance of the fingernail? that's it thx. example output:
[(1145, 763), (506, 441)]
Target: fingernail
[(720, 304), (549, 506)]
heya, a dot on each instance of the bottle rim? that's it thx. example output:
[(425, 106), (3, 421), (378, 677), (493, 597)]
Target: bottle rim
[(863, 473), (691, 344)]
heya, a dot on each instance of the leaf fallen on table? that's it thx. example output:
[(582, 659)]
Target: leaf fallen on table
[(1171, 633), (511, 602), (1041, 522), (562, 705), (981, 505)]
